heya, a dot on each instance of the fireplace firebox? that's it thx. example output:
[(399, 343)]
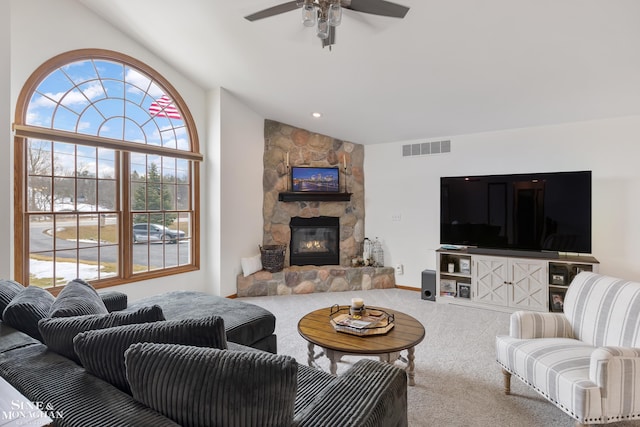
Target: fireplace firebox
[(315, 241)]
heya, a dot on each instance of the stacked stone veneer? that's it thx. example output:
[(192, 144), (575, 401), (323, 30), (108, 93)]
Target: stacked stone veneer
[(308, 279), (313, 150)]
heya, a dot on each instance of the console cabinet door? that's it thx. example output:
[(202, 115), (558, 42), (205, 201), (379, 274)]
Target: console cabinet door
[(517, 283), (490, 279), (528, 284)]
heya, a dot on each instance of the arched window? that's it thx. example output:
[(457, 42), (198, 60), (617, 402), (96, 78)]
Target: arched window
[(107, 166)]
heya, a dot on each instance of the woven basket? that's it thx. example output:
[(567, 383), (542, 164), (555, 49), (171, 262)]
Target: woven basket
[(273, 257)]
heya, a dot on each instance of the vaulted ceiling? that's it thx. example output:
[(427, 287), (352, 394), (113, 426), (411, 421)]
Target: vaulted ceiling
[(449, 67)]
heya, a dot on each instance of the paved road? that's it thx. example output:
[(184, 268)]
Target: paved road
[(158, 253)]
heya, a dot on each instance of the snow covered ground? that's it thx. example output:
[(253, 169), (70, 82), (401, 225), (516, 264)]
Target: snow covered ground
[(64, 270)]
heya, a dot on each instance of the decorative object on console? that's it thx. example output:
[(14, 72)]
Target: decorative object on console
[(465, 266), (448, 287), (464, 290), (558, 279), (558, 274), (556, 299)]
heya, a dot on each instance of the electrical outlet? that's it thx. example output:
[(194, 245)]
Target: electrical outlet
[(396, 217), (399, 269)]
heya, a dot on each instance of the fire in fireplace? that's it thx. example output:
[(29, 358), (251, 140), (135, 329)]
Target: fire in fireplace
[(315, 241)]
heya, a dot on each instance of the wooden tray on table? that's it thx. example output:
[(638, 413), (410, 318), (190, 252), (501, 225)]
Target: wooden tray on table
[(373, 322)]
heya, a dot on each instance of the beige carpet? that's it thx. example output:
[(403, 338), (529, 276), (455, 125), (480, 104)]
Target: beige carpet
[(458, 382)]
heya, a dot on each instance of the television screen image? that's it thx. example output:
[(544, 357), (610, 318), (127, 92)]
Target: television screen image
[(315, 179), (548, 212)]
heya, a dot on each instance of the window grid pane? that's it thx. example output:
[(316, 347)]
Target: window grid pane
[(103, 98), (71, 203)]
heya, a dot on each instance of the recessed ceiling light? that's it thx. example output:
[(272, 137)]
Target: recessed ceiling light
[(316, 115)]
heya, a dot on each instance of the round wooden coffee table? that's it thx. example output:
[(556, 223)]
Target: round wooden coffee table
[(316, 328)]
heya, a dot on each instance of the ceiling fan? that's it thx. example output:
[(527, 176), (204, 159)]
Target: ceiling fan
[(328, 13)]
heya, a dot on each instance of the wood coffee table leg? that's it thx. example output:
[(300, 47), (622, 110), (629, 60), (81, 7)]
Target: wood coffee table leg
[(310, 354), (411, 365), (334, 358)]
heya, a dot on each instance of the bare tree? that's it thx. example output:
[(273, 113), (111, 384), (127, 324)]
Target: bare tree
[(39, 166)]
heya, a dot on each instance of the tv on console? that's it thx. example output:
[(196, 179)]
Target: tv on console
[(536, 212), (315, 179)]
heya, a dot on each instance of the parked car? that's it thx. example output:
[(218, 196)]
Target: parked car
[(155, 232)]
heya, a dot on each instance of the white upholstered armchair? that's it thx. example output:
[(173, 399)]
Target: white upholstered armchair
[(586, 360)]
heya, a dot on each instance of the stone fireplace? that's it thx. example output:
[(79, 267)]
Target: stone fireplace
[(315, 241), (303, 148), (318, 257)]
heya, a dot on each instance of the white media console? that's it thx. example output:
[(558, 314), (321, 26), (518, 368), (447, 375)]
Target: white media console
[(507, 282)]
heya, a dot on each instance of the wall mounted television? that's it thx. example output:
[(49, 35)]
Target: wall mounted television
[(314, 179), (542, 213)]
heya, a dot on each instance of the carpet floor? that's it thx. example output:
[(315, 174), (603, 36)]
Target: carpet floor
[(458, 382)]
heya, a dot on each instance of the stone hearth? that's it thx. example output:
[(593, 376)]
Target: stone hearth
[(309, 279)]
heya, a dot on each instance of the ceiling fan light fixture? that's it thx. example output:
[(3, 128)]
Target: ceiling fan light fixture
[(309, 15), (326, 15), (323, 28), (335, 14)]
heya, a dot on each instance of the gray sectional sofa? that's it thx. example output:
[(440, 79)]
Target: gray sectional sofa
[(189, 359)]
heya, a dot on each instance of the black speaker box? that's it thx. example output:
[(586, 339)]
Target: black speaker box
[(429, 285)]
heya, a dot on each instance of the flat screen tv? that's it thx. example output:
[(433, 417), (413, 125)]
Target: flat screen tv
[(315, 179), (533, 212)]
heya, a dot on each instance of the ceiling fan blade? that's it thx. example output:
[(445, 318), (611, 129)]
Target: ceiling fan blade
[(331, 39), (377, 7), (275, 10)]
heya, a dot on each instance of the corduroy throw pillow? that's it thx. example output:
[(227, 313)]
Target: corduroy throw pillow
[(26, 309), (101, 352), (215, 388), (77, 298), (8, 290), (58, 332)]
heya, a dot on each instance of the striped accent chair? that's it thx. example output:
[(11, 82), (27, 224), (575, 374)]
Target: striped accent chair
[(586, 361)]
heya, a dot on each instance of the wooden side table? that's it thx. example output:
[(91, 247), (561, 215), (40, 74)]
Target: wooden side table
[(316, 328)]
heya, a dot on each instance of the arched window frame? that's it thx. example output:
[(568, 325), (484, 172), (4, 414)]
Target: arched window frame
[(23, 131)]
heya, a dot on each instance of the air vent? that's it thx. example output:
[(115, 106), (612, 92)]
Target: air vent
[(425, 148)]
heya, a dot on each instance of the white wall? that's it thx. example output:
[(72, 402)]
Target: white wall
[(242, 148), (211, 223), (410, 187), (60, 26), (6, 215), (235, 187)]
